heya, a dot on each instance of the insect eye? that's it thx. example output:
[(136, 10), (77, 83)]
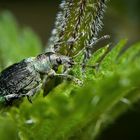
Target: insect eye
[(59, 61)]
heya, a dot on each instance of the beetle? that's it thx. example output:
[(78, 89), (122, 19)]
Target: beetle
[(24, 78)]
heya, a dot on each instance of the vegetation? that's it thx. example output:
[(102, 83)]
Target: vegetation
[(69, 111)]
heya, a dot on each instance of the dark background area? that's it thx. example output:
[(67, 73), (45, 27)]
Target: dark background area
[(122, 20), (38, 15)]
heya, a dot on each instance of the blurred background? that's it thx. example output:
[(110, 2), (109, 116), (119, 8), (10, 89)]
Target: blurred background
[(122, 20)]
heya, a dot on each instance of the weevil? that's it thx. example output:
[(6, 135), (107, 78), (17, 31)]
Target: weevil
[(24, 78)]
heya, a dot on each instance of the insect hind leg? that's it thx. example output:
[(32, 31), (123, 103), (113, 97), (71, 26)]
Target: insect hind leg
[(9, 98)]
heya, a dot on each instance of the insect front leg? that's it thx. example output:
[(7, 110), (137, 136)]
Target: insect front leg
[(65, 76)]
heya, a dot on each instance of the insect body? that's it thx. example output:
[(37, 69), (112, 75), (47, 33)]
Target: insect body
[(24, 78)]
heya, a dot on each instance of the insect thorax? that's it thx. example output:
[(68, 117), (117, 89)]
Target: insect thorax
[(51, 61)]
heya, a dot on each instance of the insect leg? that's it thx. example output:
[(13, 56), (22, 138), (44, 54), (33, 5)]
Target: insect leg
[(11, 97), (67, 76), (76, 80), (32, 92)]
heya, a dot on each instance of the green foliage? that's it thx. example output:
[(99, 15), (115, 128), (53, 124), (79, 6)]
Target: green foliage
[(16, 44), (69, 111)]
